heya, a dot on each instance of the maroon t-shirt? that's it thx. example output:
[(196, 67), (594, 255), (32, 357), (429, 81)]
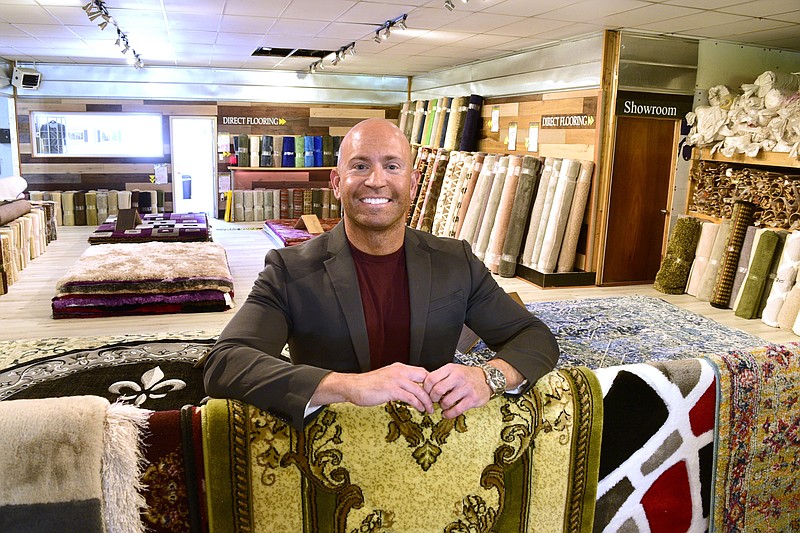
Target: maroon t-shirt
[(383, 283)]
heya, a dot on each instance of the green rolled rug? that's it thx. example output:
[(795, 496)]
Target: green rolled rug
[(673, 275), (741, 218), (753, 286), (773, 270)]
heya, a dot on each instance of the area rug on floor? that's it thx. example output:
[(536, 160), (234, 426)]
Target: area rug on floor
[(154, 372), (602, 332)]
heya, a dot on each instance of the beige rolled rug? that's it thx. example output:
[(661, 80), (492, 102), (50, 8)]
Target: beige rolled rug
[(490, 209), (548, 175), (68, 208), (449, 183), (457, 113), (784, 280), (478, 162), (91, 208), (55, 197), (744, 261), (547, 206), (526, 186), (503, 216), (258, 205), (102, 206), (706, 289), (404, 122), (113, 202), (238, 205), (465, 171), (790, 309), (469, 229), (559, 213), (418, 118), (439, 125), (248, 202), (708, 233), (569, 245)]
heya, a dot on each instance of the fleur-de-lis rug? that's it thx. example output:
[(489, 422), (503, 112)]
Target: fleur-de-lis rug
[(155, 372)]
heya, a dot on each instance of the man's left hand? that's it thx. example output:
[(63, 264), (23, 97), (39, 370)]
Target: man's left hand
[(457, 388)]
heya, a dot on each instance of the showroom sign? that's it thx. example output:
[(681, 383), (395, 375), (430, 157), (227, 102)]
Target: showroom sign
[(653, 105)]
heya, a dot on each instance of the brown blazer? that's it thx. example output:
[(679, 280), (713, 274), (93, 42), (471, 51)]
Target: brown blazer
[(308, 296)]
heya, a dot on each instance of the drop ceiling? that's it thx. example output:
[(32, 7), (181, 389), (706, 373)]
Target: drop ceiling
[(225, 33)]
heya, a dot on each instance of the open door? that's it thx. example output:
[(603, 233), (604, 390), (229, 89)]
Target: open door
[(194, 164), (638, 206)]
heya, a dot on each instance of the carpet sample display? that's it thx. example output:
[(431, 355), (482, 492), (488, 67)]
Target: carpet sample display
[(471, 225), (455, 126), (427, 168), (145, 278), (559, 212), (602, 332), (472, 124), (787, 316), (51, 464), (68, 207), (284, 232), (526, 187), (673, 274), (748, 305), (741, 219), (447, 192), (707, 282), (784, 280), (430, 118), (756, 441), (708, 235), (169, 227), (434, 188), (502, 217), (488, 217), (322, 475), (572, 232), (656, 457)]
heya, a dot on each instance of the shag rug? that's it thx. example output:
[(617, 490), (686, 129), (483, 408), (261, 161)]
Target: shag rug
[(155, 372), (602, 332)]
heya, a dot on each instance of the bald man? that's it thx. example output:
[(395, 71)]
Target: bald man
[(372, 310)]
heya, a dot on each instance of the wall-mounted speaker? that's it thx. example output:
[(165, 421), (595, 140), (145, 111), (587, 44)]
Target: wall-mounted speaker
[(26, 78)]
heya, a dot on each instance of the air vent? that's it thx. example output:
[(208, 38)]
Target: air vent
[(293, 52)]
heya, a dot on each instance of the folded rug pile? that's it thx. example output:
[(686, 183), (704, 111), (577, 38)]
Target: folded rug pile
[(145, 278), (167, 227)]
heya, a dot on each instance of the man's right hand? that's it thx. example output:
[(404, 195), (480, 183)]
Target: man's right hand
[(396, 382)]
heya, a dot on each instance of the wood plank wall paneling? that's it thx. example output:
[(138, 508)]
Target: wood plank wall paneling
[(73, 173)]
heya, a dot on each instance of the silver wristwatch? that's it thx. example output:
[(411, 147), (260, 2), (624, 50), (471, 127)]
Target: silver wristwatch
[(494, 376)]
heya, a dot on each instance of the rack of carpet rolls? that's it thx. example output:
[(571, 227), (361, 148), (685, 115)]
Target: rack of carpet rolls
[(249, 205), (736, 264), (26, 228), (283, 151), (91, 208), (513, 210)]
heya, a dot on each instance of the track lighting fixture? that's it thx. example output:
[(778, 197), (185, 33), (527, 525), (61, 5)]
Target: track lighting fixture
[(97, 9), (402, 23), (449, 5), (377, 37)]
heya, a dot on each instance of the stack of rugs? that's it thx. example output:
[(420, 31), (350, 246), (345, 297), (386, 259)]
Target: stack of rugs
[(449, 123), (145, 278), (284, 232), (91, 208), (26, 228), (245, 205), (511, 209), (292, 151), (736, 265), (168, 227), (700, 444)]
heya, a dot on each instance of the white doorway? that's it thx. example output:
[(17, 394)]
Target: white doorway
[(194, 164)]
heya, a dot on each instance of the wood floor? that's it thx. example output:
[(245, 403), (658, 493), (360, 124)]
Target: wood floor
[(25, 311)]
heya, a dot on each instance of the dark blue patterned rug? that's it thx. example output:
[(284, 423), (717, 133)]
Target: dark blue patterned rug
[(602, 332)]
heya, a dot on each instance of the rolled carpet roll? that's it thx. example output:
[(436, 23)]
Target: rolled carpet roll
[(785, 277), (328, 159), (744, 263), (708, 235), (790, 309), (288, 156), (419, 121), (102, 206), (300, 151), (446, 195), (464, 172), (741, 219), (757, 237), (267, 150), (753, 286), (416, 211), (559, 212), (248, 202), (706, 290), (55, 196), (91, 208), (526, 186), (547, 206), (503, 216), (470, 227), (238, 205), (773, 271), (548, 175), (277, 150), (430, 117), (673, 274), (455, 123), (472, 124), (569, 246), (490, 208), (428, 209), (478, 162)]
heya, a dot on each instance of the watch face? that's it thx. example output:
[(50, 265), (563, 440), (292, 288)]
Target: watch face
[(496, 380)]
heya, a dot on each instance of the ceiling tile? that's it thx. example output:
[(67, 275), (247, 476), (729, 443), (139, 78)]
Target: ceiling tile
[(248, 39), (761, 8), (316, 10), (191, 36), (297, 27), (28, 14), (692, 22), (592, 10), (484, 41), (526, 8), (530, 27), (239, 24), (272, 8), (648, 15), (372, 13), (195, 6), (481, 22), (190, 21), (433, 19)]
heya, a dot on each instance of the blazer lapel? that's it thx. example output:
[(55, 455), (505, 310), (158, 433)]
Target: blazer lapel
[(418, 266), (341, 271)]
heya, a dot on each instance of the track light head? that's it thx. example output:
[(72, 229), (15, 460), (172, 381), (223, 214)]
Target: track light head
[(352, 49), (449, 5), (377, 37), (387, 32), (402, 23), (465, 1)]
